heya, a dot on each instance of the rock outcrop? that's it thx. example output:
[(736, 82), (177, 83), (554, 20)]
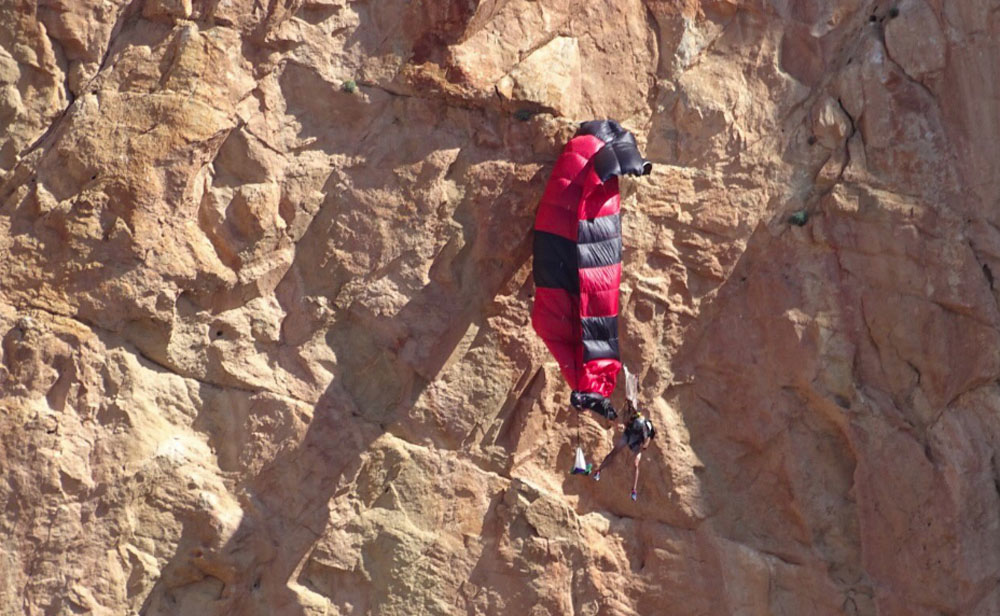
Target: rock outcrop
[(264, 308)]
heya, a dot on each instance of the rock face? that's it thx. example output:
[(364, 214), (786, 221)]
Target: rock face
[(264, 338)]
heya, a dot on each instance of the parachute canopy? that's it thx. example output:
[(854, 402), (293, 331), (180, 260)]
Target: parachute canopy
[(577, 250)]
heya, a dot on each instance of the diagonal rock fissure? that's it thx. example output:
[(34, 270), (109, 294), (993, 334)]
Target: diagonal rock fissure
[(71, 100), (847, 141)]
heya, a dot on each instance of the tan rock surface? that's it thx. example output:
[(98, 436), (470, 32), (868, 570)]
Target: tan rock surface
[(264, 335)]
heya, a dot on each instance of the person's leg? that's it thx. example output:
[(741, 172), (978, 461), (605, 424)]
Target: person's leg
[(607, 459), (635, 482)]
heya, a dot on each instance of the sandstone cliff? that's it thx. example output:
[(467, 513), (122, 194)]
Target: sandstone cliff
[(264, 300)]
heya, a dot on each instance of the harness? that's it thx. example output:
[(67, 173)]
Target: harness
[(640, 427)]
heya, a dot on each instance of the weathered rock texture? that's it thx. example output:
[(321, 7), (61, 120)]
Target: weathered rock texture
[(265, 290)]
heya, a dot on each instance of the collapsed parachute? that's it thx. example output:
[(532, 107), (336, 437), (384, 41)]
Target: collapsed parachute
[(577, 264)]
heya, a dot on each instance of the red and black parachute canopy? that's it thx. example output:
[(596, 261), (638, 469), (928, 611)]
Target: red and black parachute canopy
[(578, 249)]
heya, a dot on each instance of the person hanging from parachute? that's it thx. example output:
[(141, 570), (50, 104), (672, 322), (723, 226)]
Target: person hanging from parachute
[(577, 261), (637, 435)]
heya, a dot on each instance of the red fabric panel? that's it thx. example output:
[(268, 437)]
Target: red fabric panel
[(559, 209), (603, 200), (569, 357), (554, 315), (557, 220), (597, 279), (599, 303), (585, 145), (575, 192), (599, 375), (554, 319)]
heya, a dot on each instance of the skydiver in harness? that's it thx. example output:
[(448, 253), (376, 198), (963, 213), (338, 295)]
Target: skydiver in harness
[(638, 433)]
